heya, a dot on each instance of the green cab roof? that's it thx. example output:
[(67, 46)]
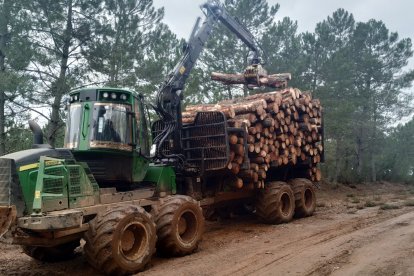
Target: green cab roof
[(104, 88)]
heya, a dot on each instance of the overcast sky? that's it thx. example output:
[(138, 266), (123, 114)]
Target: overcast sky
[(397, 14)]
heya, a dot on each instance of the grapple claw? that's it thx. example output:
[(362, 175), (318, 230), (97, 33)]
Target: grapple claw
[(252, 75)]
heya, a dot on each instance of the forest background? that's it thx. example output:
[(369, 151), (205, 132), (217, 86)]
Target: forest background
[(357, 69)]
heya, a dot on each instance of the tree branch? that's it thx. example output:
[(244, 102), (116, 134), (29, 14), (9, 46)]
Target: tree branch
[(29, 108)]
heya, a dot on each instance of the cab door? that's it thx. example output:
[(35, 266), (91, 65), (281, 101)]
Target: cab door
[(141, 126)]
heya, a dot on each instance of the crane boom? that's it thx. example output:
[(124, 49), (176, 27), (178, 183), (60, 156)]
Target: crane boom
[(214, 12), (169, 97)]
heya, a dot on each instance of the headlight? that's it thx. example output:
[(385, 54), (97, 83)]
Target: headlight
[(105, 95), (123, 97), (76, 97), (113, 96), (71, 98)]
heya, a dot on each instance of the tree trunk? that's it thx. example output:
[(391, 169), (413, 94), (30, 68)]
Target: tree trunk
[(61, 86), (373, 169), (359, 153), (373, 147), (4, 21), (275, 80), (229, 94)]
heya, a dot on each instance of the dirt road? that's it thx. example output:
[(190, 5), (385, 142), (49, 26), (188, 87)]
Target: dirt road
[(368, 230)]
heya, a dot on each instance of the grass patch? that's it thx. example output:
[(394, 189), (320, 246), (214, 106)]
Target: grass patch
[(399, 197), (370, 203), (409, 202), (389, 207), (377, 198), (355, 200)]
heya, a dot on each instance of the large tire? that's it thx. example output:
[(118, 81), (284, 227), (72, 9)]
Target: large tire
[(275, 203), (121, 240), (305, 196), (180, 226), (58, 253)]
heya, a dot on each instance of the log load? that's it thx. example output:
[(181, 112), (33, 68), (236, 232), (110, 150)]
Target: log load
[(283, 128)]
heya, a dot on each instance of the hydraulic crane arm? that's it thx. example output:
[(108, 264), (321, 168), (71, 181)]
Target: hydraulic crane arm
[(168, 101), (214, 12), (236, 27)]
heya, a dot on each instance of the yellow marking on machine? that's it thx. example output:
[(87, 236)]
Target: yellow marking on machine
[(29, 167), (52, 162), (37, 194)]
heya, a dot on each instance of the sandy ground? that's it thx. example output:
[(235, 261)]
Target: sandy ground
[(365, 230)]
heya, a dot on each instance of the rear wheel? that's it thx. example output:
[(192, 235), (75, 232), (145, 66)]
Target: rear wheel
[(275, 203), (305, 196), (121, 240), (59, 253), (180, 226)]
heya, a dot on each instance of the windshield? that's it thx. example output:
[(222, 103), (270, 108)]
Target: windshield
[(73, 126), (111, 126)]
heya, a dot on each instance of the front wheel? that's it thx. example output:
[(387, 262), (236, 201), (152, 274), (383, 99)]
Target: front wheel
[(180, 226), (121, 240)]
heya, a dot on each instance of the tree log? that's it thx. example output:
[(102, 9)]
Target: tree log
[(275, 80)]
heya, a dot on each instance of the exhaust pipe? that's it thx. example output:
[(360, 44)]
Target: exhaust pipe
[(37, 133)]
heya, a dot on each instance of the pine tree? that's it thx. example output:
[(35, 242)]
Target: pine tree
[(161, 53), (379, 58), (336, 87), (282, 45), (15, 54), (396, 162), (59, 31), (124, 31)]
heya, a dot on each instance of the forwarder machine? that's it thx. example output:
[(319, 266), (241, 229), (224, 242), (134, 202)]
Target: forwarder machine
[(105, 186)]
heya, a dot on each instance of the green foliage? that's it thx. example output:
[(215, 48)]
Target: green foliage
[(370, 204), (355, 68), (387, 206), (161, 53), (18, 138), (15, 55), (59, 30), (282, 45), (123, 31), (396, 162)]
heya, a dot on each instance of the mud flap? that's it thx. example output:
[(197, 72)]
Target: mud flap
[(8, 216)]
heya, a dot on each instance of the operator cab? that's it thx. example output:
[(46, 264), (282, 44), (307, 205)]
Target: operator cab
[(107, 128)]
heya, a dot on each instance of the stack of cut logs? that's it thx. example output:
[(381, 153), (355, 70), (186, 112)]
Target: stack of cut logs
[(283, 128)]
